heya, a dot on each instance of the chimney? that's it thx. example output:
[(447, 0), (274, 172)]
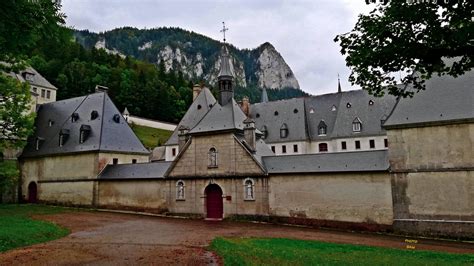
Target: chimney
[(183, 137), (99, 88), (196, 90), (249, 134), (246, 106)]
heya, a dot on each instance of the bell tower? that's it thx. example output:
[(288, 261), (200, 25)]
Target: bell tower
[(226, 75)]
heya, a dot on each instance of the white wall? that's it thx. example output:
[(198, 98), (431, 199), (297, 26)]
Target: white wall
[(169, 152)]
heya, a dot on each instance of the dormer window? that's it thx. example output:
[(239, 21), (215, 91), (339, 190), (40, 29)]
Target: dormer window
[(276, 113), (322, 128), (74, 117), (311, 110), (371, 102), (284, 131), (84, 133), (348, 105), (295, 111), (63, 136), (50, 123), (356, 125), (94, 115), (333, 108), (212, 158), (264, 131), (116, 118), (38, 142)]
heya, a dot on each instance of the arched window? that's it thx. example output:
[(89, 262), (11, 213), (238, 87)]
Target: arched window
[(180, 190), (249, 193), (357, 125), (323, 147), (212, 157), (322, 128), (284, 131)]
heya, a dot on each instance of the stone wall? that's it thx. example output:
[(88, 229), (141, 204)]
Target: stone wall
[(362, 198)]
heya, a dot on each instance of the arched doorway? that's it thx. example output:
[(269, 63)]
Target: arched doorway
[(214, 202), (32, 192)]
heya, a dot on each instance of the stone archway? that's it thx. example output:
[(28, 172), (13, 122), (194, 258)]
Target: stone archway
[(214, 202), (32, 192)]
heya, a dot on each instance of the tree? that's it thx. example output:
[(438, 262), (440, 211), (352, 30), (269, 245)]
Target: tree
[(23, 23), (16, 123), (411, 41)]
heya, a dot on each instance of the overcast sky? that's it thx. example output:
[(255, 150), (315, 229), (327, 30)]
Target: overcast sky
[(302, 31)]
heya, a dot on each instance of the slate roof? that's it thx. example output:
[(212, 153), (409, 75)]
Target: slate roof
[(261, 149), (363, 161), (37, 79), (109, 132), (198, 109), (225, 67), (290, 112), (330, 108), (221, 118), (445, 100), (134, 171)]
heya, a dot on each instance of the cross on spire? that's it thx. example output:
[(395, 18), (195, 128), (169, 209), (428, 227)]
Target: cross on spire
[(224, 29)]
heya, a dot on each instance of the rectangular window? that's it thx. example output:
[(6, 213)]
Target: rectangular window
[(372, 144), (357, 144), (43, 93), (295, 148), (134, 160), (48, 94), (115, 161), (283, 149), (385, 143), (35, 90), (173, 151), (343, 145), (273, 149)]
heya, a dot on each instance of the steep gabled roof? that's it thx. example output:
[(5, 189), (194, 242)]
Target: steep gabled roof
[(134, 171), (198, 109), (273, 115), (37, 79), (107, 130), (369, 109), (445, 100), (322, 108), (219, 118), (364, 161)]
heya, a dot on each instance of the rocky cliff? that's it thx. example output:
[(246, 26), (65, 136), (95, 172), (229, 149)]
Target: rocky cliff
[(195, 55)]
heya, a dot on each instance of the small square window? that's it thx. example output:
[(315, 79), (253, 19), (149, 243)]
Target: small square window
[(35, 89), (372, 144), (323, 147), (173, 151), (357, 144), (115, 160), (283, 149), (295, 148), (385, 143), (134, 160), (273, 149), (343, 145)]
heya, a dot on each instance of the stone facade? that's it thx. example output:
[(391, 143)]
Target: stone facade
[(232, 158)]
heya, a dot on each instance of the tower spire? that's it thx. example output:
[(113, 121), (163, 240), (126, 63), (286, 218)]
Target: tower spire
[(338, 84), (226, 76), (264, 95)]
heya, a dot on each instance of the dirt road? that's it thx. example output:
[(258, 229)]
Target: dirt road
[(123, 239)]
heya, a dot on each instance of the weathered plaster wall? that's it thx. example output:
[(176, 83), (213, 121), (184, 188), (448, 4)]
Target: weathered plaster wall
[(141, 195), (232, 158), (433, 180), (67, 193), (434, 147), (351, 197)]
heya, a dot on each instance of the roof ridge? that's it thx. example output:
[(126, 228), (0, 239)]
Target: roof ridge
[(102, 122)]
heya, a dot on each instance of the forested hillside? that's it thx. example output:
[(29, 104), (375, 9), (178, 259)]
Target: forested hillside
[(146, 89)]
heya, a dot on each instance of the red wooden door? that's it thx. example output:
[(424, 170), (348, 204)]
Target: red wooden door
[(214, 202), (32, 193)]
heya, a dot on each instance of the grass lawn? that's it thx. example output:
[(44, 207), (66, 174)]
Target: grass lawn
[(279, 251), (17, 229), (151, 136)]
